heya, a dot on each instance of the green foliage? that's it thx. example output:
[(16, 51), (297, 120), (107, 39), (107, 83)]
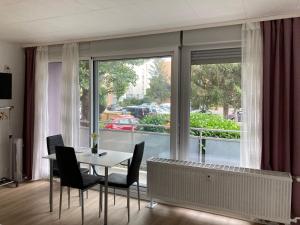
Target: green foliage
[(197, 120), (155, 120), (84, 81), (115, 77), (134, 101), (84, 75), (216, 85), (211, 121), (160, 88)]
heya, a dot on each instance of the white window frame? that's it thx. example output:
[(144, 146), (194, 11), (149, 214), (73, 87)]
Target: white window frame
[(185, 91), (173, 53)]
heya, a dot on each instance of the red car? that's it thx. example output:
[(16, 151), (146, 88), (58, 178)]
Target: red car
[(122, 122)]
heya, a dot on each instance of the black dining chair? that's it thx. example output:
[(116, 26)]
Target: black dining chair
[(122, 181), (71, 177), (52, 142)]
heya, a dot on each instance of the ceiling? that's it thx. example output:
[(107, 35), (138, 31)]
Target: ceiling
[(53, 21)]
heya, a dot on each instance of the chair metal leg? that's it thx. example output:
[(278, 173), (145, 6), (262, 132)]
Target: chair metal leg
[(51, 186), (138, 191), (128, 204), (106, 196), (60, 201), (87, 194), (69, 199), (100, 200), (79, 197), (114, 196), (82, 207)]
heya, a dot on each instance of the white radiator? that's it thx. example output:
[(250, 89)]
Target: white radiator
[(247, 193), (17, 160)]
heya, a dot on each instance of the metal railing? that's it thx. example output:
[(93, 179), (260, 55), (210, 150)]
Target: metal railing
[(200, 130), (140, 128), (200, 144), (202, 139)]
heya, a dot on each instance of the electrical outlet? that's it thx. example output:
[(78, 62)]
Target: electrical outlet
[(6, 69), (209, 177)]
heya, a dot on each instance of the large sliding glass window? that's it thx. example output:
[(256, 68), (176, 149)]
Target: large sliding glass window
[(54, 78), (85, 103), (131, 103), (134, 100), (215, 106)]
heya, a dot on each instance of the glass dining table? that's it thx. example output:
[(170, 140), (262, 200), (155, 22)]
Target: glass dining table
[(84, 156)]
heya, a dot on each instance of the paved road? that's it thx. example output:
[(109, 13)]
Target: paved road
[(158, 145)]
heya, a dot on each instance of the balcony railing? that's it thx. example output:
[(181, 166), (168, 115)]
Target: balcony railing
[(202, 147)]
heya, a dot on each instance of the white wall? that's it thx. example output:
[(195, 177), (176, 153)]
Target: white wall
[(12, 55)]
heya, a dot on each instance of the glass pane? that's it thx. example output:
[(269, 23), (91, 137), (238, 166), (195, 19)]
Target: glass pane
[(55, 73), (84, 84), (215, 113), (134, 106)]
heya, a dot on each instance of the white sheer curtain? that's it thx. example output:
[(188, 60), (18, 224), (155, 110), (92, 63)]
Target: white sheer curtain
[(251, 136), (40, 167), (70, 101)]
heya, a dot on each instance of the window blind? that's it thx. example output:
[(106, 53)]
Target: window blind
[(212, 56)]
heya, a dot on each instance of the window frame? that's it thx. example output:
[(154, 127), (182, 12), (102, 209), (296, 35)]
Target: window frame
[(90, 96), (185, 91), (174, 54)]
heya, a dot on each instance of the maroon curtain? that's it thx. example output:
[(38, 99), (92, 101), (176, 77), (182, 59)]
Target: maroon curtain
[(281, 100), (28, 121)]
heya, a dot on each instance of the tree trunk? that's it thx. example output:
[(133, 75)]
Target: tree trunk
[(84, 106), (225, 111)]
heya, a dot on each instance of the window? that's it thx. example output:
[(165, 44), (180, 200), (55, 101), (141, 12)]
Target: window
[(134, 106), (55, 73), (215, 107), (84, 84)]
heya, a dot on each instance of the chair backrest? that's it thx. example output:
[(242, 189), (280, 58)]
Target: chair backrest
[(134, 168), (53, 141), (68, 167)]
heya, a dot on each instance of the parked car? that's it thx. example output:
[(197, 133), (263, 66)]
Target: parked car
[(153, 107), (136, 111), (123, 122), (164, 108), (114, 107)]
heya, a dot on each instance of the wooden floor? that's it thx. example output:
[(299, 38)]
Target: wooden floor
[(28, 205)]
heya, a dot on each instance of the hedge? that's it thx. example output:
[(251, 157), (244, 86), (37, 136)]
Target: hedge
[(197, 120), (162, 120), (212, 121)]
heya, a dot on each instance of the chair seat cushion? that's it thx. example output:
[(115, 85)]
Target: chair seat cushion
[(90, 180), (56, 171), (84, 170), (116, 180)]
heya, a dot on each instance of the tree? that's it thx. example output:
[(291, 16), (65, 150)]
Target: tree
[(160, 88), (115, 77), (216, 85), (84, 75)]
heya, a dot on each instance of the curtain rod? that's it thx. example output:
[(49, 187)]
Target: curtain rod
[(6, 107), (161, 31)]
